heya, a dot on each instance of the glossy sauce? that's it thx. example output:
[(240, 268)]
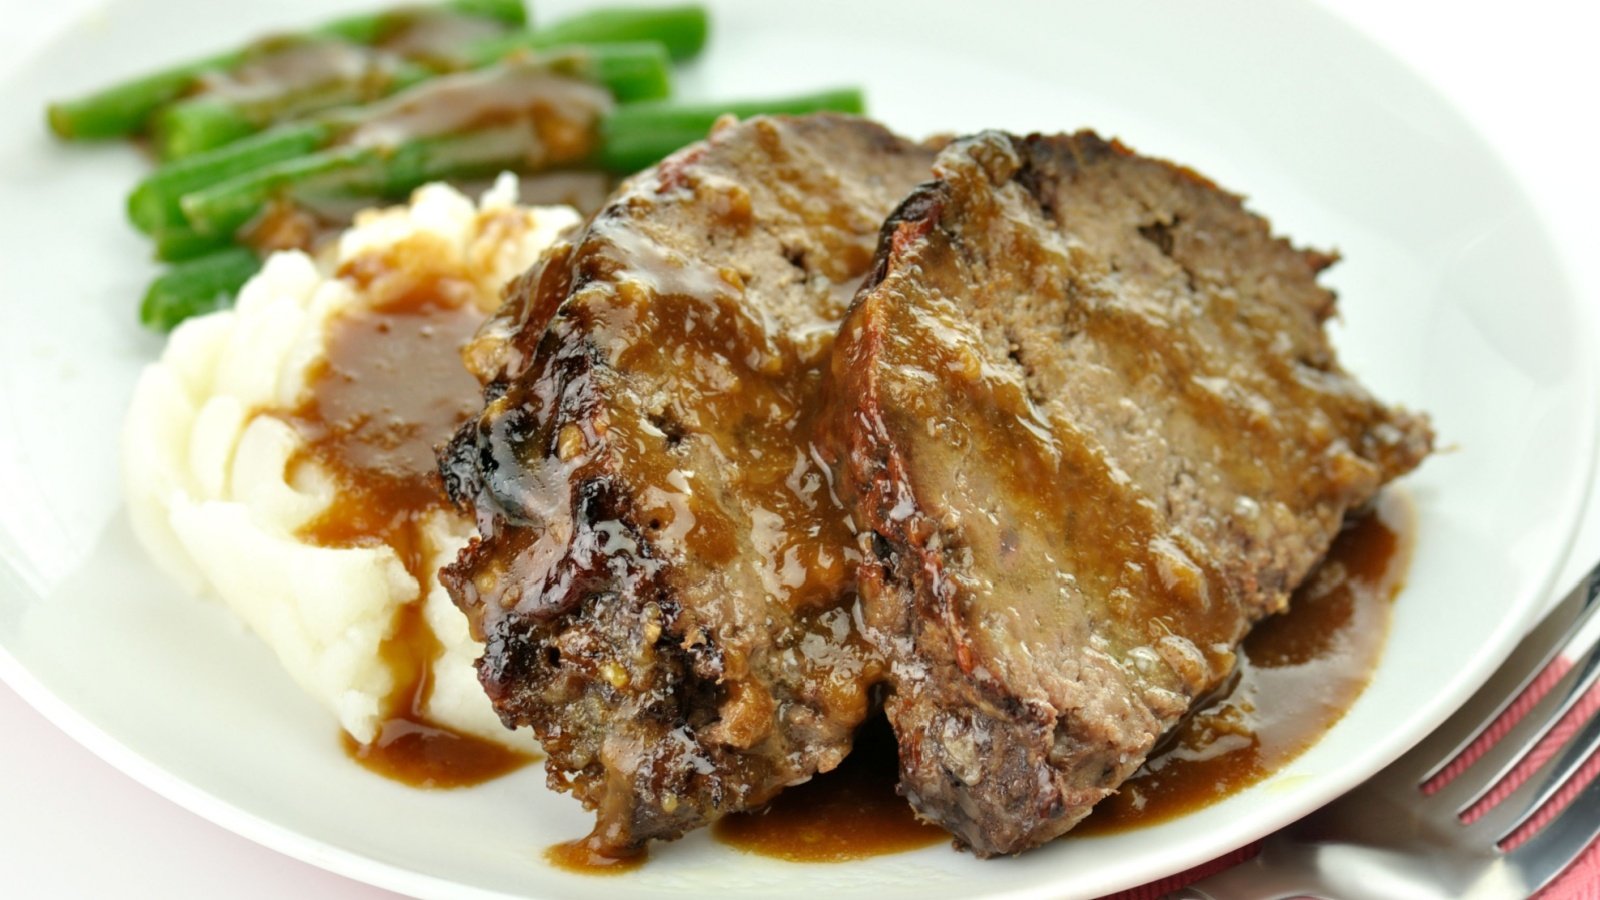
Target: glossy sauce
[(277, 74), (589, 856), (283, 75), (437, 38), (540, 116), (411, 750), (850, 813), (299, 224), (692, 405), (1298, 673), (1121, 444), (390, 389), (527, 114)]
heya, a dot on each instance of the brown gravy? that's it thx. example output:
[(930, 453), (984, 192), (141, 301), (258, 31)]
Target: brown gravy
[(850, 813), (537, 115), (282, 75), (393, 387), (410, 749), (589, 856), (303, 223), (1299, 672), (390, 389)]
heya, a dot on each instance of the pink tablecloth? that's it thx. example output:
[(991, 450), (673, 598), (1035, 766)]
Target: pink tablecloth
[(1581, 882)]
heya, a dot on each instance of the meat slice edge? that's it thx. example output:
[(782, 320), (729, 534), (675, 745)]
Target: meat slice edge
[(1093, 429), (665, 579)]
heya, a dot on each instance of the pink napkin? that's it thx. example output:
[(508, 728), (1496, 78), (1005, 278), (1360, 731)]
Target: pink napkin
[(1580, 882)]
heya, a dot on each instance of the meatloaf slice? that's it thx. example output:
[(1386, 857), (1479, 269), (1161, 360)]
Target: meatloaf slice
[(1093, 430), (664, 579)]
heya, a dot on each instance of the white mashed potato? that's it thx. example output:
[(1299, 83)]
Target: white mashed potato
[(207, 458)]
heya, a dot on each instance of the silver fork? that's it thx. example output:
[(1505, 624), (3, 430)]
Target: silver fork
[(1388, 839)]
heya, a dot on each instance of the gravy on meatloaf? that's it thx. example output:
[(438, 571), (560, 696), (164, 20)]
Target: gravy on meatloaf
[(1298, 673)]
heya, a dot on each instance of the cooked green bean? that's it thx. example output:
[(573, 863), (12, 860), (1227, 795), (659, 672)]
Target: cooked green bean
[(681, 29), (628, 71), (196, 124), (180, 243), (224, 208), (125, 109), (196, 287), (629, 138), (153, 205), (639, 135)]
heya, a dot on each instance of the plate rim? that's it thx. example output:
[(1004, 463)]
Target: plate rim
[(1510, 629)]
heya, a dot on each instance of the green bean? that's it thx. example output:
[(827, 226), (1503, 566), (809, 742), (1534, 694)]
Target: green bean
[(681, 29), (633, 71), (125, 109), (196, 287), (629, 71), (635, 136), (369, 28), (180, 243), (627, 141), (195, 124), (224, 208), (154, 206)]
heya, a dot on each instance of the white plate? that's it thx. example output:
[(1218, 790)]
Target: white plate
[(1453, 302)]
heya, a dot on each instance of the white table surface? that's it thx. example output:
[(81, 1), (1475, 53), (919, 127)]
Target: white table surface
[(1525, 73)]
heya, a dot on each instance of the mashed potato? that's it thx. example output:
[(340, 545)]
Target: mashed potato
[(218, 489)]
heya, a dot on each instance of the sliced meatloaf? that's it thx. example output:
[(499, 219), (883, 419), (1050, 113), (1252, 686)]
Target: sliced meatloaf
[(665, 578), (1092, 429)]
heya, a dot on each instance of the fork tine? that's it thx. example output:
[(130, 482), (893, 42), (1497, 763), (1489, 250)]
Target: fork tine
[(1498, 761), (1502, 820), (1525, 663), (1549, 852)]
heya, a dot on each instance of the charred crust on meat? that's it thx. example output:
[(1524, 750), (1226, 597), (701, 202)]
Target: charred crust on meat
[(1043, 185), (456, 468), (913, 216), (646, 670)]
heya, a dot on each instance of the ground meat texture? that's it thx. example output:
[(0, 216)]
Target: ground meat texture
[(665, 578), (1092, 430)]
